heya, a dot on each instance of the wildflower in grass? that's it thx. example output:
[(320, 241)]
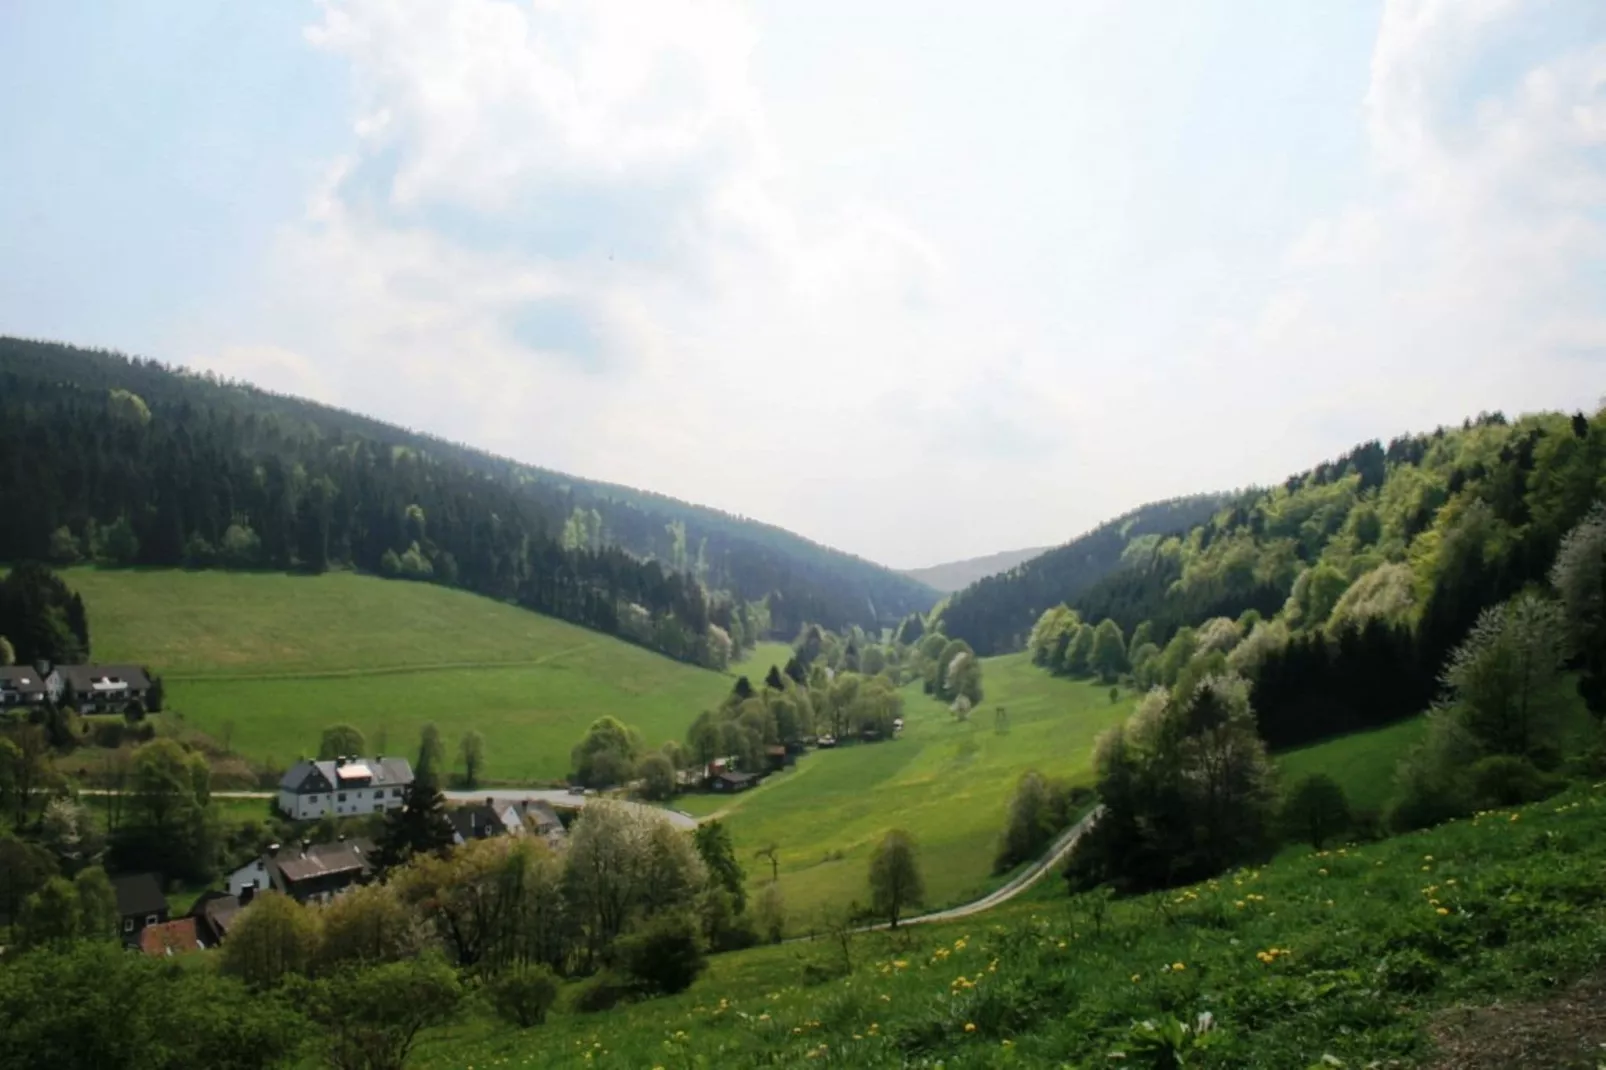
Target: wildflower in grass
[(1321, 872), (970, 1027), (1136, 978), (1179, 967), (1442, 910)]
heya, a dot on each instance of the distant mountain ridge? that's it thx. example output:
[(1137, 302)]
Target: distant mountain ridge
[(951, 576)]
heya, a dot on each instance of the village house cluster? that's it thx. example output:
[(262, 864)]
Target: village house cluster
[(311, 872), (85, 688)]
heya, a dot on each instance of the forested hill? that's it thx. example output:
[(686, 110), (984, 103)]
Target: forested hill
[(956, 575), (132, 462), (995, 614)]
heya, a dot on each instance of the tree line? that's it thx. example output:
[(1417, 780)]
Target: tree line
[(131, 463)]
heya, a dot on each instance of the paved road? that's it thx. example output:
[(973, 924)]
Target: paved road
[(1057, 852)]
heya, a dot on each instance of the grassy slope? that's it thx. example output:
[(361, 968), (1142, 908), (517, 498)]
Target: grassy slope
[(1363, 762), (1365, 959), (946, 782), (280, 657)]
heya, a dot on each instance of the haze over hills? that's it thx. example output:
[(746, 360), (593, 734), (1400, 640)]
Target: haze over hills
[(952, 576)]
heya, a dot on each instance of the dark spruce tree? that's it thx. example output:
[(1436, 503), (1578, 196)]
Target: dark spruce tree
[(419, 827)]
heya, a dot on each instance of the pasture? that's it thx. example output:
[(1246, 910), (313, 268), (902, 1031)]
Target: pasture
[(947, 782), (265, 661)]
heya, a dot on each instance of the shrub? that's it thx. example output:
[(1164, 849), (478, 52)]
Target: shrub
[(109, 734), (603, 992), (665, 954), (523, 995), (1316, 810), (1507, 780)]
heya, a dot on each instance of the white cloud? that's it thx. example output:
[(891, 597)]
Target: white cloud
[(568, 231)]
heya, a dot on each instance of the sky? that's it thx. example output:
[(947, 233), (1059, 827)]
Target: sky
[(919, 280)]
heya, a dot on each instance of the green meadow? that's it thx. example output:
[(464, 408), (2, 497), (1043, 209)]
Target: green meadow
[(945, 781), (1362, 762), (266, 661), (1352, 958)]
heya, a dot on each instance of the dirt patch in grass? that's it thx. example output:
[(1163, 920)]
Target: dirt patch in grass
[(1566, 1031)]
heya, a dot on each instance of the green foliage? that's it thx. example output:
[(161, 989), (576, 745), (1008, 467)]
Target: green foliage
[(1579, 577), (896, 883), (94, 1005), (1505, 678), (431, 752), (169, 825), (372, 1018), (419, 827), (657, 775), (1316, 810), (523, 995), (340, 741), (1038, 811), (1108, 657), (713, 842), (41, 617), (607, 754), (472, 749), (1187, 792), (664, 954), (584, 551), (272, 939)]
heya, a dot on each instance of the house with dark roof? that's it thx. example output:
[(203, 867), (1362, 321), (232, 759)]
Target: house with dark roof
[(140, 904), (98, 688), (214, 913), (344, 786), (22, 685), (479, 821), (306, 872), (727, 781), (170, 938)]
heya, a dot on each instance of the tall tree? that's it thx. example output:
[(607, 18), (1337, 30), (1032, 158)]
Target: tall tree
[(1505, 679), (472, 749), (1579, 576), (896, 884), (272, 938), (718, 852), (1108, 657), (419, 827), (169, 824), (431, 752)]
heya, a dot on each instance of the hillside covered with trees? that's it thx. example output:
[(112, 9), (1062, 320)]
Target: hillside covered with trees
[(996, 613), (1341, 593), (131, 463)]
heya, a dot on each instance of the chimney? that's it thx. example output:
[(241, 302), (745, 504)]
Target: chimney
[(273, 850), (490, 802), (304, 845), (340, 837)]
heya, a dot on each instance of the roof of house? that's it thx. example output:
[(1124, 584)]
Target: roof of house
[(84, 678), (736, 778), (476, 821), (22, 678), (217, 910), (139, 893), (347, 857), (322, 776), (170, 938), (541, 814)]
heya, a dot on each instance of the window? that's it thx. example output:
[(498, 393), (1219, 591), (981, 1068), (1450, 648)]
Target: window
[(128, 925), (395, 793), (312, 798), (341, 797), (150, 919)]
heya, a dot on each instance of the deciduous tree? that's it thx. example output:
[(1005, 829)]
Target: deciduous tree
[(896, 884)]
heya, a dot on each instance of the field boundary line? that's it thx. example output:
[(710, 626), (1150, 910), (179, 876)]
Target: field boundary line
[(382, 670)]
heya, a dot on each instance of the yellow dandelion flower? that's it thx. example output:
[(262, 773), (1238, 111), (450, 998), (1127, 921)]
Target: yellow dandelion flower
[(970, 1027), (1136, 978), (1321, 872), (1178, 966), (1442, 910)]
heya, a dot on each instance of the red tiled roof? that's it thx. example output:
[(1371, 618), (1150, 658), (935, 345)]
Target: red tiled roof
[(170, 938)]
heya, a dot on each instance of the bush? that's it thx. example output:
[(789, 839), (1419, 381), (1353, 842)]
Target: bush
[(523, 995), (603, 992), (109, 734), (1316, 810), (1507, 780), (665, 954)]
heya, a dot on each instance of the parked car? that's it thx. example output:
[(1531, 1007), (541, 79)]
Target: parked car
[(576, 789)]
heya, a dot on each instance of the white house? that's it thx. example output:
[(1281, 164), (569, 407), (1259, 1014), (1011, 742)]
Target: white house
[(306, 872), (344, 787)]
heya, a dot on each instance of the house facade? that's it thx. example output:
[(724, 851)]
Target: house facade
[(98, 688), (21, 685), (344, 787), (140, 904), (306, 872)]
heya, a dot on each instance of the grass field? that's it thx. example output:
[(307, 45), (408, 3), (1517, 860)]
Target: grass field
[(269, 660), (1344, 959), (948, 783), (1362, 762)]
